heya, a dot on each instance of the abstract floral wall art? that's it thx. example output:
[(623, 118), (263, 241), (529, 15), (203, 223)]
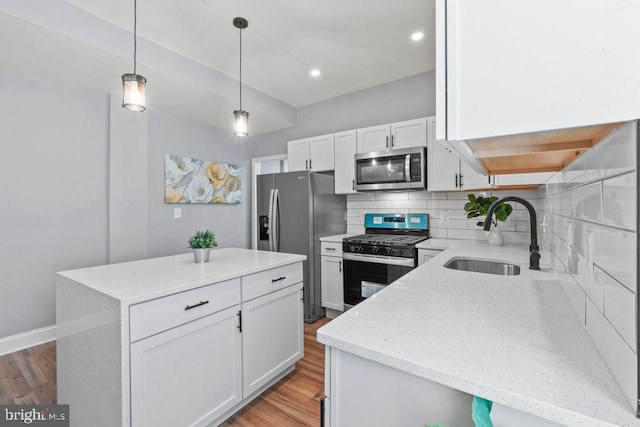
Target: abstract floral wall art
[(188, 180)]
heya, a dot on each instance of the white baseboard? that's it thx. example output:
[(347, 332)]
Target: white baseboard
[(27, 339)]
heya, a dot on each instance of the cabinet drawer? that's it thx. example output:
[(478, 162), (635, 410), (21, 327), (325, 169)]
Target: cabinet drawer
[(155, 316), (331, 249), (265, 282)]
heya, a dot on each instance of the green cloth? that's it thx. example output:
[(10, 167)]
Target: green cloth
[(480, 412)]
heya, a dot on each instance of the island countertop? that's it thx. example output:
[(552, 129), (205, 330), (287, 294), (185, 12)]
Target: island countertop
[(137, 281), (515, 340)]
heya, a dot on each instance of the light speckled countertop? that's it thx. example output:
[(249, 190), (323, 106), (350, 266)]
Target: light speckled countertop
[(137, 281), (512, 339)]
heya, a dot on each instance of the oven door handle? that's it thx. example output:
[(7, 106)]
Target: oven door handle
[(404, 262)]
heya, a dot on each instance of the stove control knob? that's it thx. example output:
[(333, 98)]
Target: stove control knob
[(394, 252), (375, 250)]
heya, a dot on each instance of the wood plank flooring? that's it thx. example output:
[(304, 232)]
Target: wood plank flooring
[(29, 377)]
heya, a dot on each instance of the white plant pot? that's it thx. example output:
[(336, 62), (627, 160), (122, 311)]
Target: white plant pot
[(201, 255), (495, 238)]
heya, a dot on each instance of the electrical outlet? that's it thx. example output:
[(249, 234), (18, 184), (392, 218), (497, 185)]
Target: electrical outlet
[(177, 212), (444, 217)]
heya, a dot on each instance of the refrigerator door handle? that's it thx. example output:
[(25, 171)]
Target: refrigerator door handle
[(276, 229), (270, 221)]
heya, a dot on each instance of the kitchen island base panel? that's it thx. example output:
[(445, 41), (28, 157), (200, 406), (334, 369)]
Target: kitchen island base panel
[(362, 392), (332, 314)]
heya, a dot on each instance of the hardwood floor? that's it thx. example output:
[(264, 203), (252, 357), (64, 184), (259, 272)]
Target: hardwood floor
[(29, 377)]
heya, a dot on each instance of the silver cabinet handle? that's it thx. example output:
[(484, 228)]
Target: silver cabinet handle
[(353, 184), (278, 279), (460, 180), (456, 180), (392, 138), (310, 167), (330, 249), (306, 165), (387, 141), (340, 266)]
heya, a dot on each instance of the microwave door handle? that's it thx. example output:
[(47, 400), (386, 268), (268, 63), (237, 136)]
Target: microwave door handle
[(407, 168)]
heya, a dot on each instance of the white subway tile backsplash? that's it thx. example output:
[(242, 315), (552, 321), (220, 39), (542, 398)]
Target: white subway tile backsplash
[(426, 195), (523, 226), (620, 358), (439, 233), (582, 272), (614, 251), (385, 195), (619, 201), (587, 202), (576, 296), (619, 307), (617, 153)]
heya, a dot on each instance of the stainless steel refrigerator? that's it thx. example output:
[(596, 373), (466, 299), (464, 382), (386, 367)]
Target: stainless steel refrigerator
[(296, 209)]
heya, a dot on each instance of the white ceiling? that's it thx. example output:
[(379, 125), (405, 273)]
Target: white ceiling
[(355, 43)]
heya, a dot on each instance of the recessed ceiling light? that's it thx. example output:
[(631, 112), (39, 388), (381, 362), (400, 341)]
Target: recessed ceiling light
[(417, 36), (315, 73)]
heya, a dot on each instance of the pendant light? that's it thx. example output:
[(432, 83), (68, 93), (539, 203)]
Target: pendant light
[(133, 85), (240, 117)]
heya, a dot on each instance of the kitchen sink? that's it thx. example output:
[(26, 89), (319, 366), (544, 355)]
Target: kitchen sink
[(483, 266)]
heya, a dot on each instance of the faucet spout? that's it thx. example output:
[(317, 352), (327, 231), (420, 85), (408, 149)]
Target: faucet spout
[(534, 249)]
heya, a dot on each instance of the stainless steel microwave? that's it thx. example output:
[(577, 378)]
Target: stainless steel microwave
[(403, 169)]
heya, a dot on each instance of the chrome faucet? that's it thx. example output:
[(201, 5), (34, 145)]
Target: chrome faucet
[(534, 249)]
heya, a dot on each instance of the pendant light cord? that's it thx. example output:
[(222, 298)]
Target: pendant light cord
[(135, 33), (241, 69)]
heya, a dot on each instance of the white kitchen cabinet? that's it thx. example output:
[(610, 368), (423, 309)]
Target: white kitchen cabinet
[(410, 133), (374, 138), (321, 153), (315, 154), (425, 255), (447, 170), (189, 375), (552, 65), (406, 134), (272, 336), (345, 169), (332, 283), (298, 154)]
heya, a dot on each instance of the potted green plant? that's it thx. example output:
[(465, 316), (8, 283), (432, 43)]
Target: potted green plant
[(201, 243), (479, 206)]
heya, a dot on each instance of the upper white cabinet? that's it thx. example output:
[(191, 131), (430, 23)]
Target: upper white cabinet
[(505, 68), (375, 138), (410, 133), (345, 151), (315, 154), (446, 170), (298, 154)]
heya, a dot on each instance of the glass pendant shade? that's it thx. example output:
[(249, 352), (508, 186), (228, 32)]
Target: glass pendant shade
[(241, 123), (133, 88)]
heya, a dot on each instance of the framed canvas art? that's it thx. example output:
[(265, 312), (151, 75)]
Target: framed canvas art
[(190, 181)]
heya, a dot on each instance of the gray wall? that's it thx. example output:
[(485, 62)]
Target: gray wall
[(403, 99), (54, 193), (82, 183), (183, 137)]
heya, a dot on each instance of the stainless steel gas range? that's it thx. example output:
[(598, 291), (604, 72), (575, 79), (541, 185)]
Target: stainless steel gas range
[(384, 254)]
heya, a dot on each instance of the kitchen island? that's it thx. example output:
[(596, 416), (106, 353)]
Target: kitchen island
[(440, 336), (166, 341)]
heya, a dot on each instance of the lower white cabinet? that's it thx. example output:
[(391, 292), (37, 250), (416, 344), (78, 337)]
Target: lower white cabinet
[(272, 336), (189, 375), (425, 255), (332, 282)]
